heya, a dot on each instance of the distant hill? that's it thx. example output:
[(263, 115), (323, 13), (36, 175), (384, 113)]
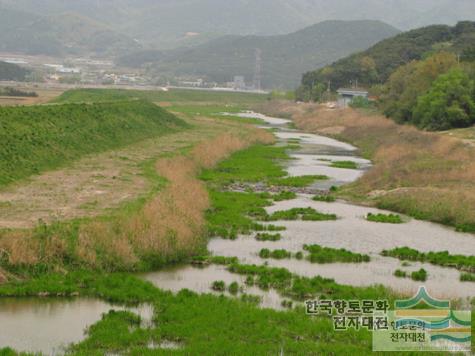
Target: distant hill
[(375, 65), (67, 33), (164, 24), (10, 71), (284, 57)]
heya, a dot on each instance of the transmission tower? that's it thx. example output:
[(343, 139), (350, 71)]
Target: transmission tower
[(258, 70)]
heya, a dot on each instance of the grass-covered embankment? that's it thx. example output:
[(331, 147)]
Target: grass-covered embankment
[(428, 176), (188, 97), (34, 139), (167, 227)]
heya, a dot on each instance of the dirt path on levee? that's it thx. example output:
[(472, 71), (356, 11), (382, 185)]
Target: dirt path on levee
[(95, 183)]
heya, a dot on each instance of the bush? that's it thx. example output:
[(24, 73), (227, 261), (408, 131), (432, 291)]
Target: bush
[(448, 104), (360, 102)]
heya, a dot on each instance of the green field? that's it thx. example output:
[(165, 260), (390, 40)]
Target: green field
[(190, 97)]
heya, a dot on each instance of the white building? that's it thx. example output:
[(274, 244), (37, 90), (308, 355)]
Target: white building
[(346, 96)]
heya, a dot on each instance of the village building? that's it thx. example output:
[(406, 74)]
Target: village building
[(347, 95)]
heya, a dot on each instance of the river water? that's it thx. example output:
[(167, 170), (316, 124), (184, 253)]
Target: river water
[(351, 231), (48, 325)]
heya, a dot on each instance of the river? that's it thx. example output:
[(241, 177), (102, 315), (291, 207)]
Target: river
[(48, 325)]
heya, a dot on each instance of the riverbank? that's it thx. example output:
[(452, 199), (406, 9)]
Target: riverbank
[(223, 301), (429, 176)]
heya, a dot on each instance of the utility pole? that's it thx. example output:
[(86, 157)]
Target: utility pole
[(258, 70)]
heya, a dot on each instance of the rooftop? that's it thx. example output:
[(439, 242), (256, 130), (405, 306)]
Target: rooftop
[(352, 91)]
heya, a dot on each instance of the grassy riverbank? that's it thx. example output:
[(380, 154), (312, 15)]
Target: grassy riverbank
[(429, 176), (163, 225), (232, 326), (84, 258)]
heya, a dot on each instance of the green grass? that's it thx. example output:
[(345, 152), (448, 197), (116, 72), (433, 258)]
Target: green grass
[(233, 288), (259, 163), (305, 214), (185, 318), (275, 254), (233, 213), (461, 262), (218, 286), (304, 288), (344, 164), (400, 274), (383, 218), (296, 182), (467, 277), (34, 139), (268, 237), (284, 196), (172, 96), (319, 254), (325, 198), (420, 275)]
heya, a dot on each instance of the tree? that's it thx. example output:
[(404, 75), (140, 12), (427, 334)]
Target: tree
[(412, 80), (448, 104)]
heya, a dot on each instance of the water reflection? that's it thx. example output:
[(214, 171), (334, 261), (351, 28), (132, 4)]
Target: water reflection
[(49, 325)]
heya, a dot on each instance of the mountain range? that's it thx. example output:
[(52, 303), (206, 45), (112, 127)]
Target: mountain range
[(160, 24), (283, 57)]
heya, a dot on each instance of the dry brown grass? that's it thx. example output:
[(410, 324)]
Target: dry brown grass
[(427, 175), (169, 227)]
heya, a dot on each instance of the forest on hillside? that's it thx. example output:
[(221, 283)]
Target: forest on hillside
[(10, 71), (425, 77)]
